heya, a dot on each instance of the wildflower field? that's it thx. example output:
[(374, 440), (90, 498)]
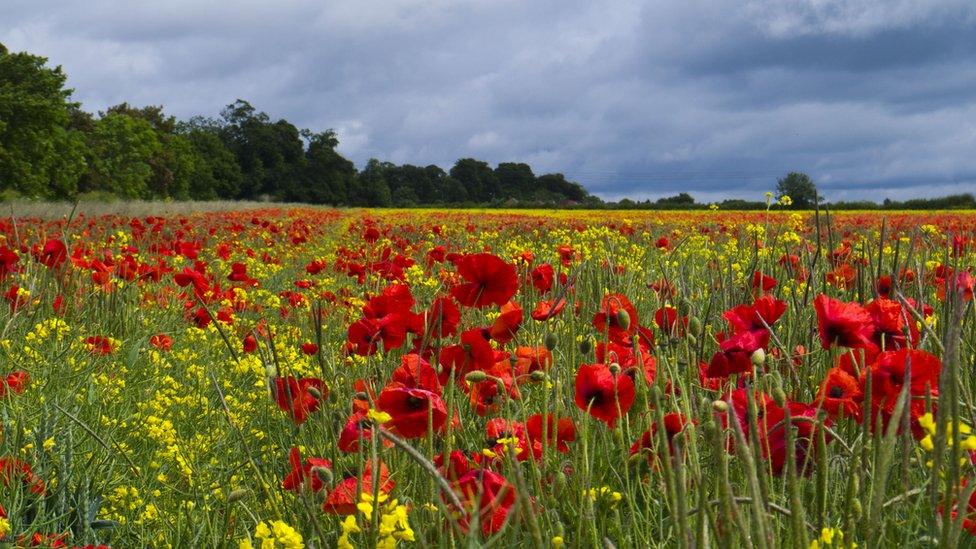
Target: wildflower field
[(306, 377)]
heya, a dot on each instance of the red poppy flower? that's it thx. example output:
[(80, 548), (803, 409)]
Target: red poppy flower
[(674, 423), (530, 359), (772, 431), (507, 323), (890, 322), (342, 499), (99, 345), (735, 353), (162, 342), (542, 277), (473, 353), (558, 432), (490, 495), (301, 473), (490, 280), (296, 396), (443, 317), (54, 254), (763, 282), (670, 322), (545, 309), (617, 318), (602, 394), (844, 324), (8, 261), (765, 311), (15, 383), (12, 468), (416, 373), (840, 394), (410, 408), (250, 343), (310, 348), (888, 378)]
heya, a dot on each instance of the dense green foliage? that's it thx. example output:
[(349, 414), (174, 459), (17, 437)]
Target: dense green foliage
[(50, 149)]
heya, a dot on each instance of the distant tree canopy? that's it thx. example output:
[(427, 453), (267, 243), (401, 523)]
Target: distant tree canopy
[(800, 188), (50, 148)]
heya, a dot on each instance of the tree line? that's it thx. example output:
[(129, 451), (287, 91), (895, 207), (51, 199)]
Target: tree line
[(52, 149)]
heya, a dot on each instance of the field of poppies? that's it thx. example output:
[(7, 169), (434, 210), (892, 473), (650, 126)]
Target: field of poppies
[(304, 377)]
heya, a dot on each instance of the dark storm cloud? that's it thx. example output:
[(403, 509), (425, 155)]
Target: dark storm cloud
[(640, 99)]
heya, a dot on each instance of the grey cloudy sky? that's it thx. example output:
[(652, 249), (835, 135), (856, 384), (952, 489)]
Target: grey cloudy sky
[(718, 98)]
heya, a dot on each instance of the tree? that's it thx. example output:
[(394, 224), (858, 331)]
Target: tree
[(121, 151), (478, 179), (271, 154), (800, 188), (327, 176), (680, 199), (39, 154), (515, 180)]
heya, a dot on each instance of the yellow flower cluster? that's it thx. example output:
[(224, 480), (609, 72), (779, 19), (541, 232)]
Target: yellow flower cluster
[(831, 537), (927, 422), (273, 535), (394, 524)]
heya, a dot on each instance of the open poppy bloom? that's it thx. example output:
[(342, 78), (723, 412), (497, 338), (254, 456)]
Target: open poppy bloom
[(507, 323), (490, 280), (602, 394), (889, 375), (546, 309), (844, 324), (302, 473), (617, 318), (295, 396), (15, 383), (162, 342), (558, 432), (542, 277), (840, 394), (411, 409), (12, 469), (890, 322), (342, 499), (772, 432), (488, 494), (674, 423), (735, 353)]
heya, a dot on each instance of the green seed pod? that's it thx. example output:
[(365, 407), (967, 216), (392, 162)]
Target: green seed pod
[(476, 376), (694, 325), (315, 393), (324, 473), (720, 406), (237, 495), (692, 340), (614, 368), (538, 375), (856, 507), (623, 319), (361, 396), (779, 397), (551, 341), (561, 479), (585, 346), (759, 357), (684, 306)]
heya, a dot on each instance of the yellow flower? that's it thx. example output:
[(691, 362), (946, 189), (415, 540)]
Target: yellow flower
[(378, 417), (557, 542)]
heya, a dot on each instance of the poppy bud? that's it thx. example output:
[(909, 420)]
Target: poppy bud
[(561, 479), (856, 507), (720, 406), (237, 495), (779, 397), (694, 325), (315, 393), (324, 473), (551, 341), (614, 368), (476, 376), (759, 357), (684, 306), (538, 375), (692, 340), (361, 396), (585, 346), (623, 319)]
